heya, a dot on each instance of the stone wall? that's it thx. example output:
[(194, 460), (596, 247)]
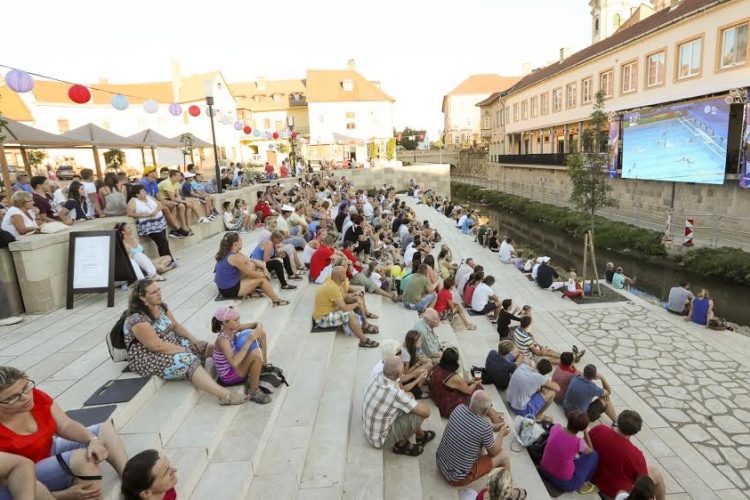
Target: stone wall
[(428, 176)]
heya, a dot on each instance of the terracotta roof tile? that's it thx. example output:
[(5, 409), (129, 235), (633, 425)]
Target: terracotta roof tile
[(484, 84), (492, 98), (653, 22), (13, 106), (327, 86)]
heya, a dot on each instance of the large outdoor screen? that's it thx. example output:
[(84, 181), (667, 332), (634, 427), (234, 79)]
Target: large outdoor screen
[(686, 142)]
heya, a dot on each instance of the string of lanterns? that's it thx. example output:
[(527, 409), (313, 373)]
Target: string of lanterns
[(21, 82)]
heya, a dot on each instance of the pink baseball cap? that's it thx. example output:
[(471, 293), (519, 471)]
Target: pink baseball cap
[(226, 313)]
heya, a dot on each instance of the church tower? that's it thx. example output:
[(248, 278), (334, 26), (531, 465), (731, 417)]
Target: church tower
[(607, 16)]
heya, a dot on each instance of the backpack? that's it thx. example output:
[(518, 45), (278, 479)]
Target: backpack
[(118, 351), (536, 449), (272, 379)]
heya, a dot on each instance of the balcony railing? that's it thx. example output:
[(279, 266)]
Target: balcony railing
[(556, 159)]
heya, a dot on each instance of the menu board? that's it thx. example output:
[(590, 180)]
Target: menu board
[(91, 264)]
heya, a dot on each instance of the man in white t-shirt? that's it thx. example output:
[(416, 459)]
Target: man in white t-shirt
[(87, 179), (535, 269), (410, 250), (507, 252), (367, 210), (465, 269), (465, 279), (461, 220), (485, 300)]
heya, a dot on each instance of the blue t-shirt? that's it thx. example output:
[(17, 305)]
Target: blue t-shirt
[(185, 190), (580, 394), (151, 187), (466, 226), (618, 281), (236, 181)]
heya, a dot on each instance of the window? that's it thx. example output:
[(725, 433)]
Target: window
[(571, 92), (320, 118), (498, 114), (276, 97), (629, 75), (63, 126), (689, 56), (544, 103), (655, 69), (515, 112), (266, 123), (616, 20), (596, 25), (351, 115), (279, 126), (351, 126), (606, 82), (733, 46), (534, 104), (348, 85), (486, 122), (525, 110), (556, 100), (586, 90), (507, 114)]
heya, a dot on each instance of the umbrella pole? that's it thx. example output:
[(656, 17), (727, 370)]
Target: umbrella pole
[(26, 165), (97, 163), (143, 157), (153, 156), (6, 174)]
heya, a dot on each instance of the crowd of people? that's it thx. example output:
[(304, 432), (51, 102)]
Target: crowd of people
[(349, 243)]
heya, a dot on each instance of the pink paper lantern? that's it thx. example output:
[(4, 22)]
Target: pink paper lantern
[(19, 81), (175, 109), (194, 110), (79, 94)]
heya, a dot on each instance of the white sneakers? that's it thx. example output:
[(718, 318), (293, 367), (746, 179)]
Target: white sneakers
[(10, 321)]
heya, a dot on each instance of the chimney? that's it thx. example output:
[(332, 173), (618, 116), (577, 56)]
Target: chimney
[(564, 53), (350, 64), (176, 79), (526, 69), (260, 84), (103, 81)]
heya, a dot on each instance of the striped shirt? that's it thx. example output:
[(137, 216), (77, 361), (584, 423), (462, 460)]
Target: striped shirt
[(523, 341), (463, 439), (384, 402)]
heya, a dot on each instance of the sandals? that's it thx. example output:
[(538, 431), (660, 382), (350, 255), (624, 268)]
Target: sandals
[(588, 489), (409, 449), (471, 327), (233, 399), (428, 436), (394, 297), (372, 329), (158, 277), (372, 316), (578, 356), (288, 287), (294, 277), (258, 396), (518, 494), (369, 344), (281, 302)]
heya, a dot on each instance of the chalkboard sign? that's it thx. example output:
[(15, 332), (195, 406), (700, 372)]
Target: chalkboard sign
[(95, 260)]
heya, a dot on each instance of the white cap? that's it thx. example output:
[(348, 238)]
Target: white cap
[(188, 175), (539, 260), (296, 184), (287, 208), (546, 259)]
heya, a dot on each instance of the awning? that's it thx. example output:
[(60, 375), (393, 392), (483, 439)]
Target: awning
[(150, 138), (346, 140), (18, 134), (97, 136), (197, 143)]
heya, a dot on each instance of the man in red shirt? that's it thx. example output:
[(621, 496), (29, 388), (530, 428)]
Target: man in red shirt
[(322, 258), (262, 208), (564, 373), (620, 462)]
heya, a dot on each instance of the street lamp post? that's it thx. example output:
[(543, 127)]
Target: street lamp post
[(208, 86), (290, 124)]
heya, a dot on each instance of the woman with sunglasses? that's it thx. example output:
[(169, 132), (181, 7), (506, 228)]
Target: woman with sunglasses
[(159, 345), (67, 454)]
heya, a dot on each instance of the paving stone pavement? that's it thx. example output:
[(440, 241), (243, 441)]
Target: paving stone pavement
[(691, 383)]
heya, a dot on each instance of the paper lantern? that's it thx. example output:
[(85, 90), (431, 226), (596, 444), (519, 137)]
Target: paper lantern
[(225, 120), (256, 133), (176, 110), (79, 94), (120, 102), (247, 130), (275, 135), (194, 110), (150, 106), (238, 125), (19, 81), (210, 112), (294, 135)]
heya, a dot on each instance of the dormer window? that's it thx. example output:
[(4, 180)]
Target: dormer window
[(296, 96), (256, 98), (348, 85), (276, 97)]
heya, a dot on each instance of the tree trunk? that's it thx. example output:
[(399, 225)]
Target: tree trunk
[(592, 227)]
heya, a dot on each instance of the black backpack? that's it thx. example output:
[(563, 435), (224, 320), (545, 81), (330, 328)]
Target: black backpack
[(271, 379), (118, 351)]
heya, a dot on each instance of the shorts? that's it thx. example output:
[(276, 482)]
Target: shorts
[(536, 403), (426, 301), (365, 282), (401, 428), (683, 313), (230, 293), (488, 308), (335, 318), (48, 471), (595, 410), (481, 468)]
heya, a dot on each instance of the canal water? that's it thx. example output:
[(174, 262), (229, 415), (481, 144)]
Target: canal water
[(654, 276)]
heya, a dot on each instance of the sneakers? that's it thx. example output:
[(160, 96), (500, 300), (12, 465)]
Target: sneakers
[(214, 213), (176, 234), (10, 321), (203, 220)]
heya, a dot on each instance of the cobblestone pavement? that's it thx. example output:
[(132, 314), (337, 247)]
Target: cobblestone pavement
[(694, 386)]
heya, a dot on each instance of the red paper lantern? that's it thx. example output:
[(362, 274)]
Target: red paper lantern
[(294, 135), (194, 110), (79, 94), (247, 130), (275, 135)]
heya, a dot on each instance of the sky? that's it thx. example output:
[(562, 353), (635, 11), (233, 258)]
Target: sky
[(419, 50)]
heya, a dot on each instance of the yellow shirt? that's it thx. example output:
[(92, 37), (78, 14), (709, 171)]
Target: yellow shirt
[(326, 297), (167, 186)]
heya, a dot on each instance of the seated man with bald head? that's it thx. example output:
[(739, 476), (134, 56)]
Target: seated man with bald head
[(431, 346), (468, 432), (390, 415)]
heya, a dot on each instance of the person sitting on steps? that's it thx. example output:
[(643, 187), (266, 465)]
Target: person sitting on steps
[(584, 395), (529, 391)]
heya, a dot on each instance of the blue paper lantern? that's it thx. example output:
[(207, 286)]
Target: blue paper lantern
[(238, 125), (19, 81), (175, 109), (256, 133), (120, 102)]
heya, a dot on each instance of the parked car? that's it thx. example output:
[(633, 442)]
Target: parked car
[(66, 172), (12, 169)]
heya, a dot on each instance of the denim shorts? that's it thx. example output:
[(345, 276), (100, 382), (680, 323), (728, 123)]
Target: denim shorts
[(48, 471), (426, 301)]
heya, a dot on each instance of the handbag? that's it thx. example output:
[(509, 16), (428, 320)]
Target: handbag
[(53, 227), (527, 430)]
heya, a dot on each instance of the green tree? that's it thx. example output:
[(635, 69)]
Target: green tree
[(437, 144), (114, 158), (410, 138), (591, 189), (390, 149), (373, 150), (187, 147), (35, 157)]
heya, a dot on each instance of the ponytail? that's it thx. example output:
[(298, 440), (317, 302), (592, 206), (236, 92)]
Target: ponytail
[(216, 325), (225, 246)]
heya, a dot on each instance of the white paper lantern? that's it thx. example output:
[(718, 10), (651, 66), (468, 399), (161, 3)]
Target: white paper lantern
[(150, 106)]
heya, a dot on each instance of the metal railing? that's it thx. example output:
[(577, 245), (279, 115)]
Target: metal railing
[(556, 159), (709, 229)]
